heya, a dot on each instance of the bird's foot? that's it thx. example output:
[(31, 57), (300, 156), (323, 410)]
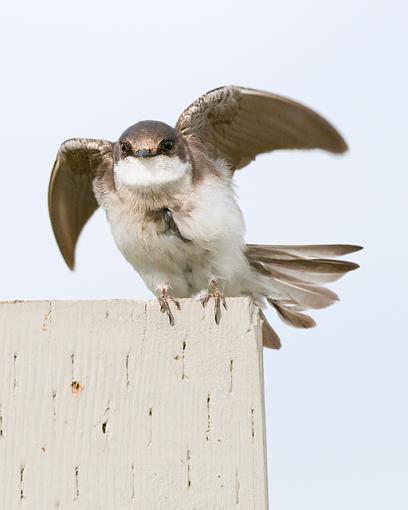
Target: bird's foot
[(164, 300), (216, 293)]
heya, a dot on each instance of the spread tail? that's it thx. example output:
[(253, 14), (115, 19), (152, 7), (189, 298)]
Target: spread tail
[(294, 276)]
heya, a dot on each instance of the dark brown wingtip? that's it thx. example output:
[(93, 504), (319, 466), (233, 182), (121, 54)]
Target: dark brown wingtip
[(334, 142), (70, 262), (67, 255), (341, 146)]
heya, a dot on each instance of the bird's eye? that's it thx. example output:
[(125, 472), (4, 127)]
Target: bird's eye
[(167, 144), (124, 148)]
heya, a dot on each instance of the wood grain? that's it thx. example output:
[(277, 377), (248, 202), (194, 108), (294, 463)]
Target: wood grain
[(103, 405)]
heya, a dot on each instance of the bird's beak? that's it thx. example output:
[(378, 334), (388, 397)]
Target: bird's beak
[(145, 153)]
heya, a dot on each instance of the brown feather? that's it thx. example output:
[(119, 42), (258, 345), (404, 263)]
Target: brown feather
[(298, 292), (291, 316), (294, 274), (312, 271), (302, 251), (71, 200), (236, 124), (270, 338)]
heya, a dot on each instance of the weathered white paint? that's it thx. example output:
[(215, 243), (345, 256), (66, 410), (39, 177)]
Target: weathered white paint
[(157, 418)]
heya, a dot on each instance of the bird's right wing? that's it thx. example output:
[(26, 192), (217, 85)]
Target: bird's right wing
[(236, 124), (71, 200)]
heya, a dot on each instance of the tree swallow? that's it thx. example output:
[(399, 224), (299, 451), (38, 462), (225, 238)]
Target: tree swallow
[(169, 198)]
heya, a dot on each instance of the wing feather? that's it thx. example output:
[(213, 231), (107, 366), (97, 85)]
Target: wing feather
[(236, 124), (71, 200)]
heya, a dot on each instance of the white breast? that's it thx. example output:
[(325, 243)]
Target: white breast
[(209, 218), (161, 259)]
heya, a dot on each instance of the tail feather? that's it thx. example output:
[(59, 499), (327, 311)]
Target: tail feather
[(291, 316), (303, 250), (310, 270), (293, 277), (269, 336), (304, 295)]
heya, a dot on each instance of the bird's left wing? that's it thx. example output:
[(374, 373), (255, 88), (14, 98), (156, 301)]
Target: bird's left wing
[(236, 124), (71, 200)]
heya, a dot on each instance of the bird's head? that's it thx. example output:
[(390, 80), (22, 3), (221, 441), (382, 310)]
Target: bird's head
[(150, 154)]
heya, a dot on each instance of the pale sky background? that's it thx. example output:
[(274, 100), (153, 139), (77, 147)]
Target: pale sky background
[(336, 395)]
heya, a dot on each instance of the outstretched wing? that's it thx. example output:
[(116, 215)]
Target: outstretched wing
[(71, 200), (236, 124)]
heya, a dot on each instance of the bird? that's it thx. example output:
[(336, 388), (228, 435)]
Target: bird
[(169, 197)]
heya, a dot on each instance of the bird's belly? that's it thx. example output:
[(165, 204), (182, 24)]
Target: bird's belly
[(165, 259), (162, 259), (206, 242)]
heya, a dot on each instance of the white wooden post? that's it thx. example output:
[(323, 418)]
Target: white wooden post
[(103, 405)]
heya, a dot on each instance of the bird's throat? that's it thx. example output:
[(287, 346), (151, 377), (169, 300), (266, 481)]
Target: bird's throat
[(150, 173)]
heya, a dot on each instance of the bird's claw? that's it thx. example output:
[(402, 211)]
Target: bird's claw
[(164, 302), (216, 293)]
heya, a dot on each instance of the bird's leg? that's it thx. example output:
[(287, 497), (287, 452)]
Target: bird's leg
[(214, 291), (164, 300)]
